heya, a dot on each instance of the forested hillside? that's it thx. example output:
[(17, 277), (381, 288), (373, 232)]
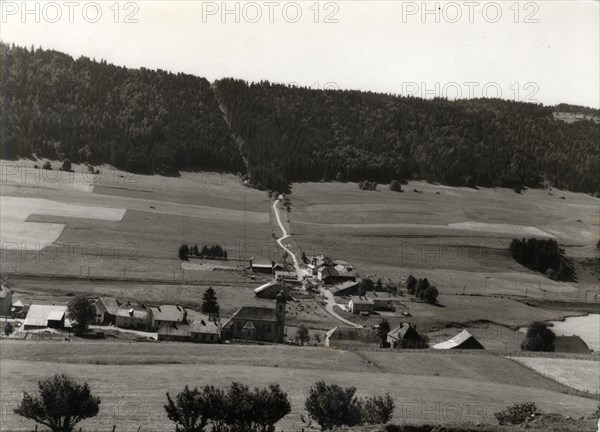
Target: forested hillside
[(314, 135), (137, 120), (155, 121)]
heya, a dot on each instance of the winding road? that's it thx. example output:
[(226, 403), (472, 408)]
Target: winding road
[(281, 239), (328, 295)]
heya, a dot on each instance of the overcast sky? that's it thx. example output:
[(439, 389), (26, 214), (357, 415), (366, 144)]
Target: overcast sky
[(546, 51)]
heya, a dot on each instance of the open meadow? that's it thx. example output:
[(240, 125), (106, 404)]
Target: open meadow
[(428, 387), (456, 237), (579, 374)]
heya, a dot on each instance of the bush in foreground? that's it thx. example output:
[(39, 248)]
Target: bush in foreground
[(517, 414), (237, 410), (61, 404), (332, 406)]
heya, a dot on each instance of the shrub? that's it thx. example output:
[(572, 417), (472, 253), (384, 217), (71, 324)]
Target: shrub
[(47, 165), (61, 404), (517, 414), (378, 409), (430, 295), (331, 405), (302, 334), (340, 177), (66, 165), (395, 186), (190, 410), (422, 285), (237, 410), (8, 329), (538, 338)]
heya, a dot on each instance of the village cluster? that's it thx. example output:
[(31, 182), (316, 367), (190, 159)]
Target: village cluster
[(333, 279)]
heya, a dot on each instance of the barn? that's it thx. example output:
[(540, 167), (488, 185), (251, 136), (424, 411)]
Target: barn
[(41, 316), (463, 340)]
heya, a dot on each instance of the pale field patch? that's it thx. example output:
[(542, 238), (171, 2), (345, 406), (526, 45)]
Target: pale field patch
[(579, 374), (33, 235)]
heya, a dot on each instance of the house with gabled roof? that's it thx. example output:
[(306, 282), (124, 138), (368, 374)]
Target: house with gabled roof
[(405, 336), (205, 331), (106, 310), (134, 316), (361, 305), (262, 324), (168, 314)]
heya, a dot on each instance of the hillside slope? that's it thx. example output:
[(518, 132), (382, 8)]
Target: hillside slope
[(157, 122)]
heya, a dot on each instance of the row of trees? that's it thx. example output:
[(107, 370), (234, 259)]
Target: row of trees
[(422, 289), (63, 402), (186, 252), (544, 256)]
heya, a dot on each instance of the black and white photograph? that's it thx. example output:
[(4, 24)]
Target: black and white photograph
[(299, 216)]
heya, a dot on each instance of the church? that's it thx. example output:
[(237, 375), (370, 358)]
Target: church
[(261, 324)]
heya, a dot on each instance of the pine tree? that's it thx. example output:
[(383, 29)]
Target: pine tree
[(210, 305)]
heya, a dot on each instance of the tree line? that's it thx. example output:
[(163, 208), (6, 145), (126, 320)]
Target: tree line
[(154, 121), (316, 135), (138, 120), (186, 252), (544, 256)]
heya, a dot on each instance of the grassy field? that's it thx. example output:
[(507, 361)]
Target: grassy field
[(456, 237), (132, 379), (124, 225), (576, 373)]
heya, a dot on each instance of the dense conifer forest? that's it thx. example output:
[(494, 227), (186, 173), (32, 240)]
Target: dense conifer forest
[(159, 122)]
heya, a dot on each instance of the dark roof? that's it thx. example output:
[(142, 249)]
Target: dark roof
[(405, 331), (340, 288), (252, 313), (361, 300), (570, 344)]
